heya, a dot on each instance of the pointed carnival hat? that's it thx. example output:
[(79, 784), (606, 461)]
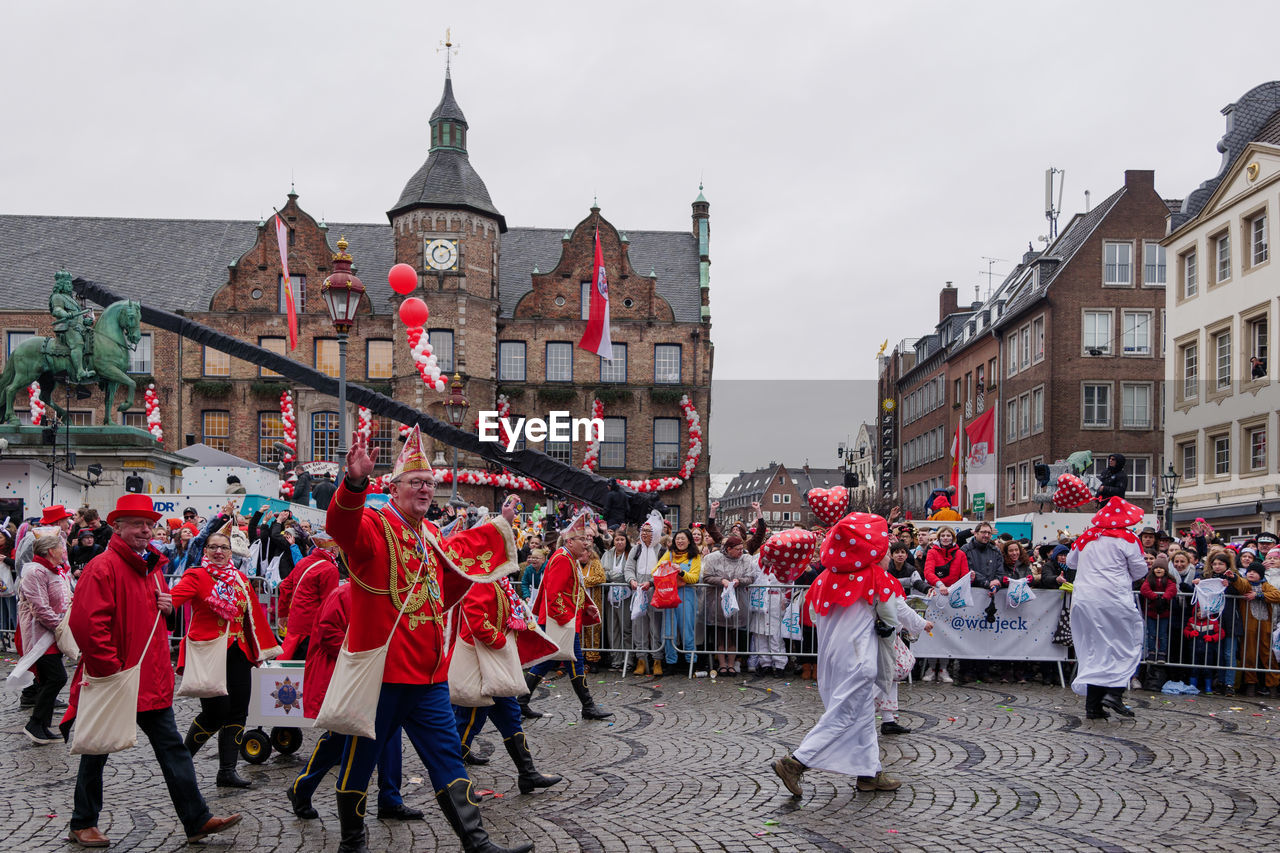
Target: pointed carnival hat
[(576, 527), (413, 456)]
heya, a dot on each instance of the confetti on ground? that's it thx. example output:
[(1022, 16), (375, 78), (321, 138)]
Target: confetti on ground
[(1257, 715), (498, 796), (51, 814), (573, 724), (1211, 714), (720, 732), (485, 792), (770, 822), (415, 780), (768, 690), (601, 681), (759, 834), (894, 831), (1236, 709), (951, 719), (659, 704)]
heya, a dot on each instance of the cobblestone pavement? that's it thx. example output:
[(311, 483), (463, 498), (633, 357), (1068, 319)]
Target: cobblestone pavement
[(685, 768)]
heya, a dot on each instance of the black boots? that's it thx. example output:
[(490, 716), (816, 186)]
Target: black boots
[(1093, 709), (228, 755), (1113, 698), (196, 738), (529, 778), (590, 710), (463, 814), (531, 681), (469, 757), (351, 808), (301, 808)]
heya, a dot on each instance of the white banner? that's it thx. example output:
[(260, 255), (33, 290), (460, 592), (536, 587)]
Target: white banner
[(1021, 633)]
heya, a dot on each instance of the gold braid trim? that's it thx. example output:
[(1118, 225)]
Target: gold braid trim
[(406, 598)]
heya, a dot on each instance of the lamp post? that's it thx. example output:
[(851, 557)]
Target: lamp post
[(342, 292), (455, 409), (1169, 481), (846, 456)]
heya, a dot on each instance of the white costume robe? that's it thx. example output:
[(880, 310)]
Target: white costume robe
[(886, 698), (1106, 626), (844, 740)]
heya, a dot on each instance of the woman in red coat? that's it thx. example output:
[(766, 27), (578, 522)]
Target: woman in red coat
[(944, 565), (223, 604)]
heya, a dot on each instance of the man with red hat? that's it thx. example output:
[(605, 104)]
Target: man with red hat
[(120, 601), (401, 569), (845, 601), (1105, 623)]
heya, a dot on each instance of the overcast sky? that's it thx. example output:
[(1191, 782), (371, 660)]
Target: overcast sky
[(856, 155)]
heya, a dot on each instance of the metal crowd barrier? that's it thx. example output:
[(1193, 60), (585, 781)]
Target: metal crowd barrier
[(1246, 649)]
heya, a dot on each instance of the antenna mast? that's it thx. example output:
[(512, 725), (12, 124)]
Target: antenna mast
[(1051, 210), (990, 273)]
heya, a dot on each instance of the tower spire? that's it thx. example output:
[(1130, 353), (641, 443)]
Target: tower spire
[(450, 50)]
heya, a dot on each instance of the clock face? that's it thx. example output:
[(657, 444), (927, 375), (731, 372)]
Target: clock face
[(889, 404), (442, 254)]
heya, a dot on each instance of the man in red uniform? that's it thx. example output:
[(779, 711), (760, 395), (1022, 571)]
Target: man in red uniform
[(119, 600), (309, 585), (399, 566), (563, 597)]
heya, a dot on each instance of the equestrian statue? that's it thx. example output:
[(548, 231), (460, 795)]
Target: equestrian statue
[(82, 352)]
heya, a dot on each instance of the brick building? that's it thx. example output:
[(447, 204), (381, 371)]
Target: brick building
[(508, 306), (780, 492)]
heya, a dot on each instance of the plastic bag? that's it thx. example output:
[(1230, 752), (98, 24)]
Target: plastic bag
[(904, 660), (791, 625), (619, 593), (729, 602), (757, 596), (639, 604), (1275, 642), (1210, 597), (1020, 592), (666, 588), (961, 593)]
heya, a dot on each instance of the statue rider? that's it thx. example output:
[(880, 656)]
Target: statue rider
[(70, 323)]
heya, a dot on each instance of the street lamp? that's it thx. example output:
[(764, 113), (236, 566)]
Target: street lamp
[(342, 292), (847, 457), (1169, 481), (455, 409)]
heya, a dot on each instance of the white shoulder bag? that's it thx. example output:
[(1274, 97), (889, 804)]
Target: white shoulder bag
[(62, 634)]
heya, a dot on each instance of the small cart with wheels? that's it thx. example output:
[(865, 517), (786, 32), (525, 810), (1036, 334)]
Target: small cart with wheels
[(275, 700)]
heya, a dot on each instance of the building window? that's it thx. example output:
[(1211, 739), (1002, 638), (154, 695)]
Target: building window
[(666, 364), (1097, 332), (377, 359), (615, 369), (298, 283), (586, 300), (1139, 473), (666, 443), (1037, 338), (777, 498), (441, 341), (1097, 405), (215, 429), (1188, 452), (613, 449), (1011, 420), (271, 344), (382, 437), (956, 399), (1011, 354), (1011, 479), (140, 358), (1190, 371), (1222, 358), (1221, 455), (561, 451), (326, 356), (1222, 254), (1258, 448), (1024, 421), (511, 361), (1026, 347), (1024, 477), (216, 363), (1118, 264), (1153, 265), (1037, 410), (1259, 247), (786, 499), (1259, 345), (1190, 277), (1135, 406), (270, 431), (1137, 332), (559, 362), (324, 436), (138, 420)]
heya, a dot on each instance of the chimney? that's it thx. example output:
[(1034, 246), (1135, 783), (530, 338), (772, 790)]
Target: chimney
[(948, 302), (1140, 179)]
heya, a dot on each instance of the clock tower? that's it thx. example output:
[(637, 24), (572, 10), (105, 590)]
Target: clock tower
[(447, 228)]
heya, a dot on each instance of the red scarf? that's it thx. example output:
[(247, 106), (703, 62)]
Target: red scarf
[(1095, 532), (227, 598), (514, 622)]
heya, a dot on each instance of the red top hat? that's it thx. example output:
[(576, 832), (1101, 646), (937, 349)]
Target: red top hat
[(54, 514), (133, 506)]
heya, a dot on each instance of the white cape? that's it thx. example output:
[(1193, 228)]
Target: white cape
[(1106, 626), (844, 740)]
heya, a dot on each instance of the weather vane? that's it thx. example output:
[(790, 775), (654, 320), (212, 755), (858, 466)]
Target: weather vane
[(450, 49)]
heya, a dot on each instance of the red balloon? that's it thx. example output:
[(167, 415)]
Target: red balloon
[(413, 311), (402, 278)]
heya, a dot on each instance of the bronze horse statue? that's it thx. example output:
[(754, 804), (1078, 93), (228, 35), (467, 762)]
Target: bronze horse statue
[(44, 361)]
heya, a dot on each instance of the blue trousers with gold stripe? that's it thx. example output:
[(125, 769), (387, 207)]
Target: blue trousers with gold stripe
[(577, 666), (425, 713), (505, 713), (328, 754)]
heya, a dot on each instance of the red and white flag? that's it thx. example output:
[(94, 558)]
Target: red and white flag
[(955, 466), (980, 464), (596, 337), (282, 240)]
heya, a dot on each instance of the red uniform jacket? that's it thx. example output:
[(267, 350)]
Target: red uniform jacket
[(562, 595), (485, 609), (322, 654), (384, 556), (259, 643), (112, 614), (317, 577)]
